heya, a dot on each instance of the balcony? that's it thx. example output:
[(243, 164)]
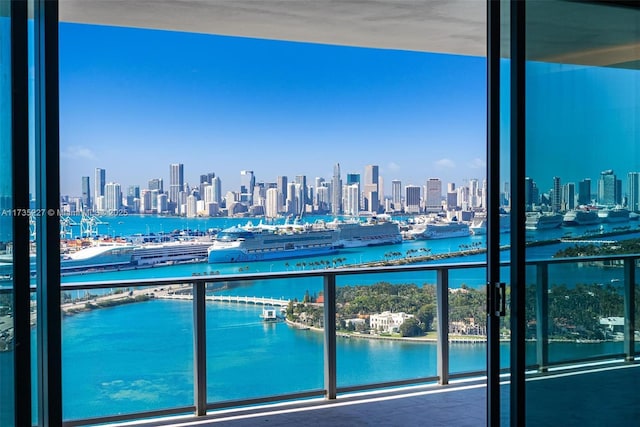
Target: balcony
[(167, 351)]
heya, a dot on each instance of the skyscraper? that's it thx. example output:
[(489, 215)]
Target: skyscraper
[(352, 199), (608, 189), (370, 190), (556, 200), (112, 196), (273, 204), (584, 192), (247, 181), (302, 180), (633, 191), (98, 184), (336, 191), (86, 194), (412, 199), (396, 194), (176, 182), (156, 184), (433, 195), (569, 196), (217, 190)]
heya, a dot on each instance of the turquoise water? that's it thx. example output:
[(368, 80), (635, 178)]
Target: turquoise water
[(139, 357)]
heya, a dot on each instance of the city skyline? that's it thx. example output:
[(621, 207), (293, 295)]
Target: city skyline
[(133, 101)]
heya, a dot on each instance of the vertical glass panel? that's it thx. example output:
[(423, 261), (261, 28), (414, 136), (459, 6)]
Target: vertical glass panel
[(467, 320), (582, 197), (6, 231), (127, 349), (386, 327), (264, 338)]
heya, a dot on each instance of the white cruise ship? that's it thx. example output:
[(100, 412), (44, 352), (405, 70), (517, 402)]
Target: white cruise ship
[(478, 225), (439, 230), (542, 221), (581, 217), (268, 242), (375, 232), (616, 214)]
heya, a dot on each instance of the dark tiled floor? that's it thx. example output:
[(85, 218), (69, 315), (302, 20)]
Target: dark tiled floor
[(604, 396)]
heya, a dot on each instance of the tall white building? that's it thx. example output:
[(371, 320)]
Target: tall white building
[(112, 196), (192, 206), (273, 204), (352, 199), (396, 194)]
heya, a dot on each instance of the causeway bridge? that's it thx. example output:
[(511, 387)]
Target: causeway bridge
[(231, 299)]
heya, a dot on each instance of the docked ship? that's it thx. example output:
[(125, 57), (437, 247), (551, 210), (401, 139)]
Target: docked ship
[(269, 242), (121, 256), (542, 221), (581, 217), (374, 232), (439, 230), (171, 252), (478, 225), (616, 214)]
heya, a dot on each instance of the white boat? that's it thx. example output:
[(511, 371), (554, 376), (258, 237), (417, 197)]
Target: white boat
[(268, 242), (542, 220), (439, 230), (374, 232)]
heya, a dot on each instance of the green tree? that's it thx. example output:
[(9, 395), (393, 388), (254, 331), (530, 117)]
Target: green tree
[(411, 328)]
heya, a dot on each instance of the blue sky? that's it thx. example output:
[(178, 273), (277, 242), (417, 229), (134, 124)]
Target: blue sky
[(133, 101)]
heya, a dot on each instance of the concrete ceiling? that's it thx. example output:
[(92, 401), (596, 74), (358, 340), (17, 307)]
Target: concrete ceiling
[(558, 30)]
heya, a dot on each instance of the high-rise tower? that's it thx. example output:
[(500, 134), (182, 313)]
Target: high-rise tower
[(176, 182), (336, 191), (98, 184)]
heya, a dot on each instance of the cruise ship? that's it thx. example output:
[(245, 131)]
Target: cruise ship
[(542, 221), (375, 232), (581, 217), (269, 242), (478, 225), (439, 230), (616, 214), (171, 252)]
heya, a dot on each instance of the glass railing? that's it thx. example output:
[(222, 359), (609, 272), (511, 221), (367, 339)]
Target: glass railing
[(142, 348)]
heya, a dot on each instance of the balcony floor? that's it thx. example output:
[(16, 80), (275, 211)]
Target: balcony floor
[(602, 395)]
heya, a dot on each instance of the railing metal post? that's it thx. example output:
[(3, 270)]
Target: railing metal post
[(199, 348), (542, 316), (629, 308), (330, 375), (442, 297)]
